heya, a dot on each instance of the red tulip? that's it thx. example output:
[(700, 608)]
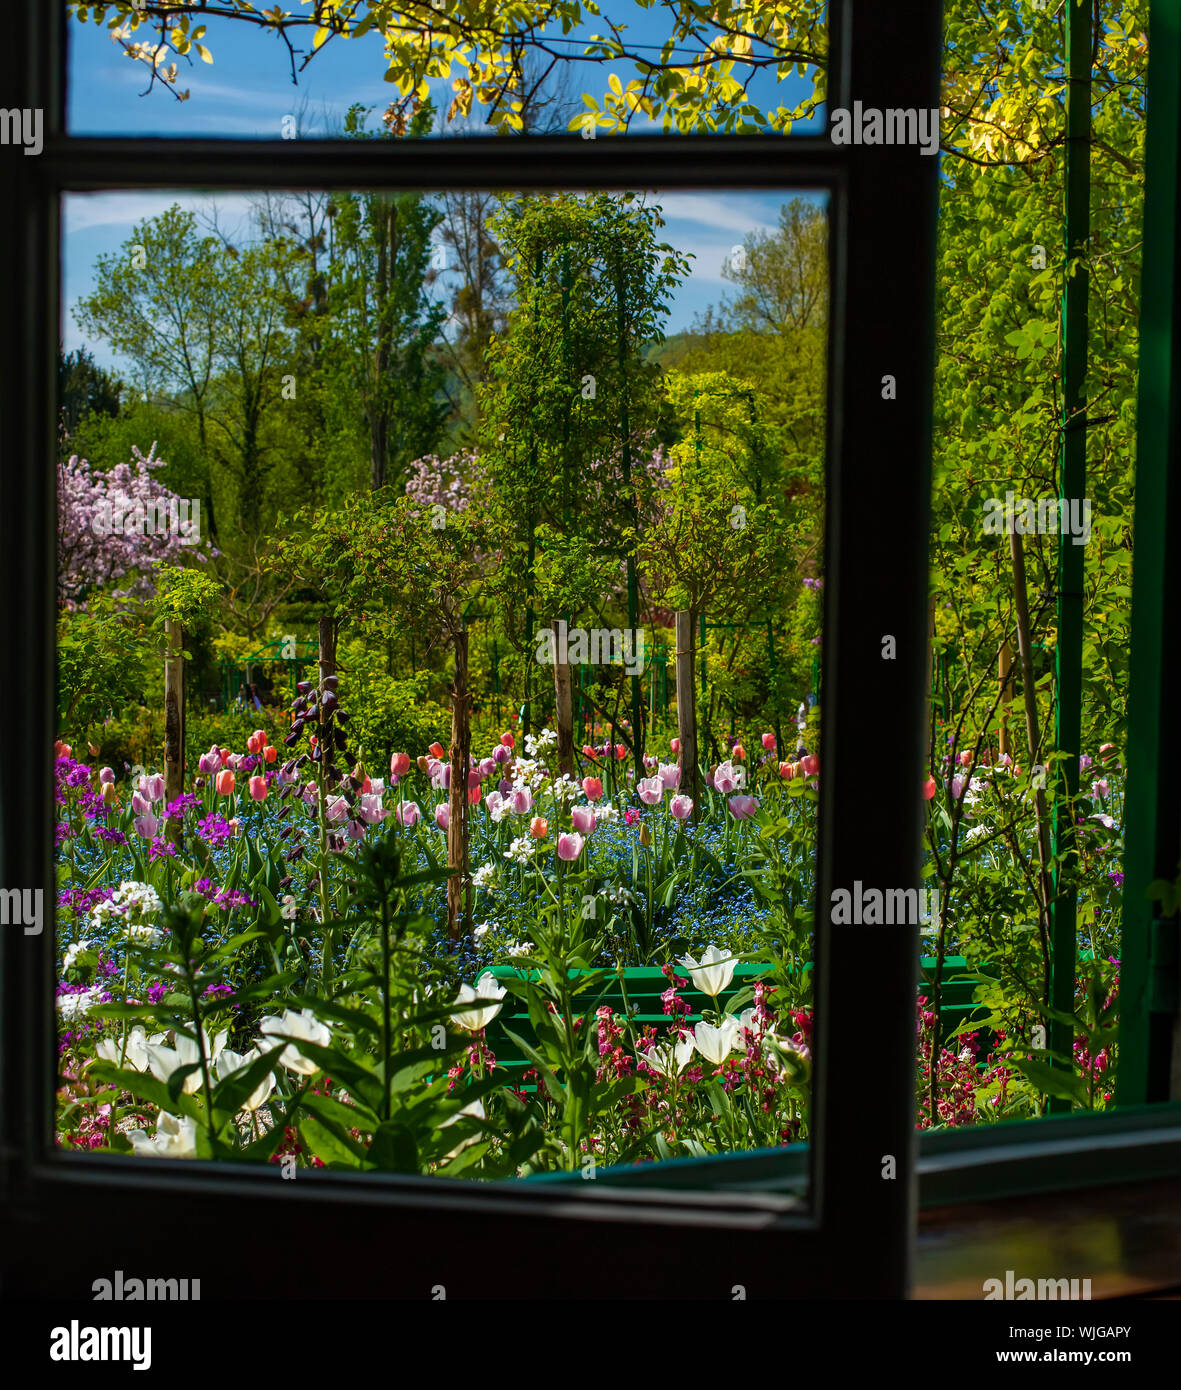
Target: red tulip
[(621, 750), (225, 783), (508, 740), (675, 744), (768, 742), (436, 750), (928, 788), (399, 764), (738, 751), (593, 788), (809, 764), (787, 771), (258, 788), (270, 754)]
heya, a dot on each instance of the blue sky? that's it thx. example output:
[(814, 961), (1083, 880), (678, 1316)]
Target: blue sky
[(247, 91)]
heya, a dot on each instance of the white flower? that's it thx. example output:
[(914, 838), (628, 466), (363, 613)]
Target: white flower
[(484, 877), (482, 930), (669, 1058), (304, 1026), (164, 1061), (131, 899), (520, 849), (620, 895), (229, 1062), (73, 952), (142, 931), (176, 1137), (488, 989), (716, 1043), (522, 948), (111, 1049), (605, 812), (75, 1005), (713, 973)]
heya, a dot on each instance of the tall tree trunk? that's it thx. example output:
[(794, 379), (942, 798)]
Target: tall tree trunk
[(457, 910), (563, 710), (1033, 735), (687, 706), (174, 726), (1004, 676), (327, 634)]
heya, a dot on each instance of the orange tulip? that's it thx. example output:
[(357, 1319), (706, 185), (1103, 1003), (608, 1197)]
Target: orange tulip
[(539, 827)]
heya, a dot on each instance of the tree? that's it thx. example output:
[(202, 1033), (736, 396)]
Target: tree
[(699, 80), (117, 525), (84, 388), (385, 553), (569, 400), (720, 540), (385, 318)]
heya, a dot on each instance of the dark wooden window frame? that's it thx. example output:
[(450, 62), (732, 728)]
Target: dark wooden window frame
[(853, 1232)]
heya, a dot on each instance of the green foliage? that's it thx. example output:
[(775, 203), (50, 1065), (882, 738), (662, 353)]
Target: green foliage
[(184, 595), (389, 715), (100, 661)]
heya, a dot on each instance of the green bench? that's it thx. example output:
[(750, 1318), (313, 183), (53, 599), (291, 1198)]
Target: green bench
[(644, 985)]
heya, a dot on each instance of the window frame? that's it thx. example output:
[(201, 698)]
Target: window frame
[(547, 1240)]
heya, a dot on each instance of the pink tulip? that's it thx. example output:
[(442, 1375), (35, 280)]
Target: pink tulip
[(521, 801), (442, 815), (570, 846), (501, 753), (107, 775), (728, 778), (140, 804), (675, 744), (670, 775), (584, 819), (743, 807), (810, 765), (787, 771), (592, 788), (408, 813), (487, 767), (769, 742), (146, 826), (356, 830), (399, 764), (152, 787), (957, 787), (965, 759), (209, 763), (337, 810), (235, 826), (681, 807), (369, 808), (651, 789), (224, 754), (225, 783), (258, 788)]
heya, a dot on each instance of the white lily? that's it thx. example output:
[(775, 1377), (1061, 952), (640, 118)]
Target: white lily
[(302, 1025), (670, 1059), (176, 1137), (489, 989), (712, 973), (716, 1043), (230, 1061), (164, 1061)]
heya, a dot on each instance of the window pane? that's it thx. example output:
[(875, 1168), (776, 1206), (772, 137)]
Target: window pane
[(473, 516), (643, 69)]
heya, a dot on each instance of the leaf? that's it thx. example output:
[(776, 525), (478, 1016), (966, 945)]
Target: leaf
[(394, 1149)]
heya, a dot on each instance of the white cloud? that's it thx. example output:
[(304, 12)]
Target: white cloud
[(83, 212)]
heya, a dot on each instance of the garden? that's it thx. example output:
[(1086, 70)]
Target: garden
[(440, 645)]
